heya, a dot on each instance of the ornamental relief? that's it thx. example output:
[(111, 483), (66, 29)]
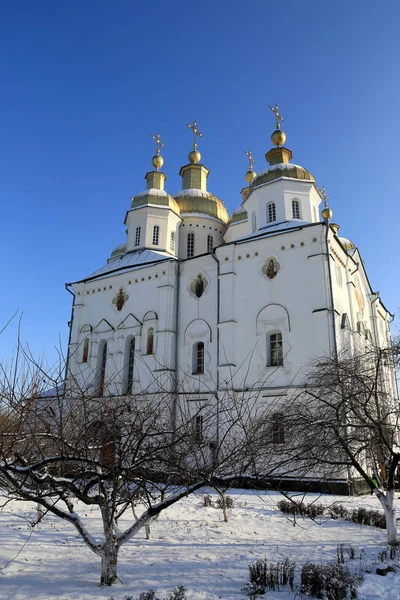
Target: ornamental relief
[(198, 285), (271, 267), (120, 299)]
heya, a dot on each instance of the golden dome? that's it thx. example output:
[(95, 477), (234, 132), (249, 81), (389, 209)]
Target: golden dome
[(327, 214), (194, 157), (201, 202), (240, 214), (157, 161), (278, 137), (155, 197), (250, 175), (346, 243), (282, 170)]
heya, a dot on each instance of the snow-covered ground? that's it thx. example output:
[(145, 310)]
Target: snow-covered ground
[(190, 546)]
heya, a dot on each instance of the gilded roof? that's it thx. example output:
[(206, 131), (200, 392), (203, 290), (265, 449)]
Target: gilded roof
[(281, 170), (201, 202), (240, 214), (155, 197)]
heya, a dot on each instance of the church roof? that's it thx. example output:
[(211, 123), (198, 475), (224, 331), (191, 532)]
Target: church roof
[(129, 262), (154, 197), (279, 170), (275, 228), (201, 202)]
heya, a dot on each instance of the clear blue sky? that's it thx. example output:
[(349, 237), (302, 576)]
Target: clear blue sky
[(84, 83)]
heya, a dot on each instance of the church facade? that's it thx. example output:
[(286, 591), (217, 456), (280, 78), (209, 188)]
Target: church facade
[(196, 302)]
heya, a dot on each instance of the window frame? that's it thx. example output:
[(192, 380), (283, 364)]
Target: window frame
[(254, 222), (102, 365), (271, 212), (273, 339), (296, 212), (156, 235), (277, 428), (130, 366), (190, 244), (172, 241), (137, 236), (198, 358), (198, 428), (85, 351), (150, 341), (210, 244)]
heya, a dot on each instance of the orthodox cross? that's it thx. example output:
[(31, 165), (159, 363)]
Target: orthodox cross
[(158, 142), (251, 159), (196, 132), (275, 110), (324, 195)]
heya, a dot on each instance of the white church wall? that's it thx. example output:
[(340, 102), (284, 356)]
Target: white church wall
[(202, 227), (236, 231), (298, 289), (146, 218), (198, 323), (146, 290)]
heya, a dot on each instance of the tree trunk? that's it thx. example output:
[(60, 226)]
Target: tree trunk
[(109, 562), (387, 502), (147, 530)]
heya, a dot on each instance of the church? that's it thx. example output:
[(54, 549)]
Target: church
[(196, 302)]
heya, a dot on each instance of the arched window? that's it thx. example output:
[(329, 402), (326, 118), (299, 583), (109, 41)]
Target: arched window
[(296, 209), (278, 429), (190, 245), (172, 241), (198, 358), (274, 349), (137, 237), (210, 243), (156, 234), (254, 221), (85, 351), (271, 212), (150, 341), (130, 366), (102, 362)]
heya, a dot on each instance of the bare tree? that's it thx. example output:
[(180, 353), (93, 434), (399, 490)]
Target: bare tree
[(345, 423), (129, 456)]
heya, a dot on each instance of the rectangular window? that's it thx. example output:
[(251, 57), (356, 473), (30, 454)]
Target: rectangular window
[(156, 235), (275, 350), (210, 243), (190, 245), (172, 242), (198, 358), (278, 429), (271, 212), (198, 429), (137, 237)]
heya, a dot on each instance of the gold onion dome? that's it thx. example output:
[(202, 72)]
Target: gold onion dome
[(327, 214), (201, 202)]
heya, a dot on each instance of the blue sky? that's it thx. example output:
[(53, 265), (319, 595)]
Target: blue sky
[(84, 83)]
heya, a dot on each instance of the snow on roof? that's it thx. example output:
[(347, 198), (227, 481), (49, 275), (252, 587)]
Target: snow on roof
[(130, 261), (273, 228), (239, 211), (279, 166), (196, 193), (151, 192)]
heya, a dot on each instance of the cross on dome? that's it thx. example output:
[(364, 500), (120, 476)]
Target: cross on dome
[(275, 110), (196, 132), (159, 143)]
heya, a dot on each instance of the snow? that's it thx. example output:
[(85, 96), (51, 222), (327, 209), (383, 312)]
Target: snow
[(190, 546), (194, 192), (130, 261), (279, 166), (151, 192)]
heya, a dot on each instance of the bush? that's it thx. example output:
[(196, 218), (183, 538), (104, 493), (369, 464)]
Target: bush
[(269, 577), (330, 581), (224, 502), (312, 510), (178, 593), (207, 501), (338, 511), (363, 516)]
